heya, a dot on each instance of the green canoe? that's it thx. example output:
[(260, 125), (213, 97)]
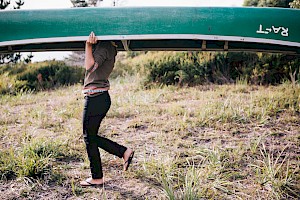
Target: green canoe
[(153, 28)]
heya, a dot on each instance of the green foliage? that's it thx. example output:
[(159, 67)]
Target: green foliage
[(213, 172), (132, 54), (33, 160), (273, 68), (30, 164), (275, 173), (7, 164), (193, 68), (23, 164), (79, 3), (295, 4), (177, 68), (130, 63), (268, 3), (251, 3), (52, 75), (40, 76)]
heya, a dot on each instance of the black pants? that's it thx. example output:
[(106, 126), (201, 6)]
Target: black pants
[(95, 109)]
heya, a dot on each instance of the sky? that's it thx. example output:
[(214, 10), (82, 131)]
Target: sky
[(38, 4), (47, 4)]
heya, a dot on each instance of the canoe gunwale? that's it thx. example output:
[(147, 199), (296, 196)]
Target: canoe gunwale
[(125, 41)]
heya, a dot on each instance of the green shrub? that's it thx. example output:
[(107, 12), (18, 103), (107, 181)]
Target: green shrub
[(193, 68), (53, 74), (130, 63), (37, 76), (180, 68)]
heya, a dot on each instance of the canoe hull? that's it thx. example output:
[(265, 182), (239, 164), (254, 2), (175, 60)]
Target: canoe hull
[(154, 28)]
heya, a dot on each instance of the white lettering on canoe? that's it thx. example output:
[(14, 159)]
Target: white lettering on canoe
[(284, 31)]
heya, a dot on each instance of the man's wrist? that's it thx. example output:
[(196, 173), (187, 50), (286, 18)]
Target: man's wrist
[(88, 44)]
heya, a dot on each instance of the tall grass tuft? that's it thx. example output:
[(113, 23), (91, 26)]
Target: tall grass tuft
[(30, 164), (191, 186), (275, 174), (8, 164), (33, 160), (166, 180)]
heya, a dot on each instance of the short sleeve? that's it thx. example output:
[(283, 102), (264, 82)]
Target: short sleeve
[(100, 54)]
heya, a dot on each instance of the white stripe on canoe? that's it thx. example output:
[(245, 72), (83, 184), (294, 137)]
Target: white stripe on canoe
[(151, 37)]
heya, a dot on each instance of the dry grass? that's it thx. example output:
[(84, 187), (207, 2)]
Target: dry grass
[(206, 142)]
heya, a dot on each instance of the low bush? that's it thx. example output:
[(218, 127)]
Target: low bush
[(50, 75), (172, 68), (194, 68), (38, 76)]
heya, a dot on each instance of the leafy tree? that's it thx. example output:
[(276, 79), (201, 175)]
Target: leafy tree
[(85, 3), (295, 4), (12, 57), (4, 4), (88, 3), (19, 4), (268, 3), (79, 3), (251, 3)]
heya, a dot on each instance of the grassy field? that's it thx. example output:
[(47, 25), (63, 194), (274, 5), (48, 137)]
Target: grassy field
[(204, 142)]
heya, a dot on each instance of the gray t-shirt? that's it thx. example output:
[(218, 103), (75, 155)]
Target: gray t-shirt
[(96, 77)]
